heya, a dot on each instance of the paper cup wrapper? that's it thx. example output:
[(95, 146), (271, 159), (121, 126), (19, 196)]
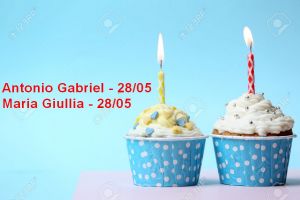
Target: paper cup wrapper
[(252, 161), (165, 162)]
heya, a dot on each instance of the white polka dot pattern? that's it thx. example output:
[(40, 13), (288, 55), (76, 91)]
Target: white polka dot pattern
[(165, 163), (252, 162)]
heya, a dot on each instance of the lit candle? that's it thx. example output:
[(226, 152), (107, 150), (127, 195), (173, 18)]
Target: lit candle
[(161, 76), (251, 78)]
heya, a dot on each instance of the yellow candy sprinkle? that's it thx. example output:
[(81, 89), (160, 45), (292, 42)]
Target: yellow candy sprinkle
[(174, 108), (176, 129), (189, 126), (147, 120)]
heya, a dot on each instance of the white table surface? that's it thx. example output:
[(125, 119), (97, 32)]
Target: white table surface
[(119, 186)]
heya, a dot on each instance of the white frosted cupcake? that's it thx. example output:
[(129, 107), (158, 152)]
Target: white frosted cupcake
[(252, 142), (253, 115)]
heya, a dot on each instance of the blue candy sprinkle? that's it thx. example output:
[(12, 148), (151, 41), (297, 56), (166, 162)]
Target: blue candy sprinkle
[(149, 131), (134, 127), (154, 115), (180, 122)]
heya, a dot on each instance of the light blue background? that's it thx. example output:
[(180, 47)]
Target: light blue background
[(72, 41)]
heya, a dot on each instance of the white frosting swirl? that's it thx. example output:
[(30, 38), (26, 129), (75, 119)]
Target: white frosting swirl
[(252, 113), (160, 131)]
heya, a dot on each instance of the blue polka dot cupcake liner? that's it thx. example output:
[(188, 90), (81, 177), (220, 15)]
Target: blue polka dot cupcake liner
[(252, 161), (165, 162)]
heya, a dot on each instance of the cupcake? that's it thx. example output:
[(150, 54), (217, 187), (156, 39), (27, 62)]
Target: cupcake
[(165, 148), (252, 142)]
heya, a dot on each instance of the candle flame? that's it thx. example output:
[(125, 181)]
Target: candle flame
[(248, 37), (160, 49)]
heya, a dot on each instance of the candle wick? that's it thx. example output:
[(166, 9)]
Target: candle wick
[(251, 48), (161, 64)]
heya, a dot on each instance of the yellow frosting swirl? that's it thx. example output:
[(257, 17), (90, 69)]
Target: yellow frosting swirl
[(162, 120)]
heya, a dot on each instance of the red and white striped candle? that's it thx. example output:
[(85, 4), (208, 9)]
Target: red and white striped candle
[(251, 78)]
